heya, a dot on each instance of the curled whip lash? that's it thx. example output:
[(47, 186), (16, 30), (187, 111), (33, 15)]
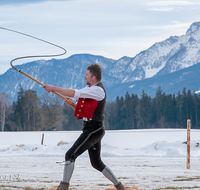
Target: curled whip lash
[(31, 56)]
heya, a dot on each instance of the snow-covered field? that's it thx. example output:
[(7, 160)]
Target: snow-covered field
[(148, 159)]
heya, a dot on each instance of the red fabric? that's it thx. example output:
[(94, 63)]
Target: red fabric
[(85, 107)]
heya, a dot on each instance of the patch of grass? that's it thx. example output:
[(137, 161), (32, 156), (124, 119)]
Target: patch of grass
[(103, 184), (194, 187), (123, 178), (9, 186), (17, 187), (47, 181), (31, 188), (20, 145), (61, 143), (183, 178), (187, 179)]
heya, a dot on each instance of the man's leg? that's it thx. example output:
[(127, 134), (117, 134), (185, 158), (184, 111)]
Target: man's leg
[(95, 159), (68, 170), (87, 139), (110, 175), (67, 174)]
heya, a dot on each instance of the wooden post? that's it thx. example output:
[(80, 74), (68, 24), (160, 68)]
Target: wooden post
[(42, 138), (188, 143)]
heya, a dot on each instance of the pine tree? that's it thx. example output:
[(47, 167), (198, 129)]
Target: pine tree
[(191, 108), (196, 109), (184, 111), (70, 122), (120, 114), (145, 110), (4, 102), (179, 107), (33, 120), (159, 101), (110, 115), (168, 111), (134, 104), (19, 109)]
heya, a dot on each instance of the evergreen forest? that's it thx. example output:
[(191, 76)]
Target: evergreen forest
[(48, 112)]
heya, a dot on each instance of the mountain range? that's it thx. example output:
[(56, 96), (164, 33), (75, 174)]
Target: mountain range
[(172, 64)]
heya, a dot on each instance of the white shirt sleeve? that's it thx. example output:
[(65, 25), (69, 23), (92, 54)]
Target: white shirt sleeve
[(93, 92)]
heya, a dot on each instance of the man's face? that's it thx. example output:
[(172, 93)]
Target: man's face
[(88, 77)]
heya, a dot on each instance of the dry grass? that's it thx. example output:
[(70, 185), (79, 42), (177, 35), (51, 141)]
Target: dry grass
[(61, 143), (128, 188)]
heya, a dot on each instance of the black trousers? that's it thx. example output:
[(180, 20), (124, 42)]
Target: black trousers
[(90, 139)]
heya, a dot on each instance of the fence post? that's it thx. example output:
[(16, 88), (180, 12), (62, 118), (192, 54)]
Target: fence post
[(188, 143), (42, 139)]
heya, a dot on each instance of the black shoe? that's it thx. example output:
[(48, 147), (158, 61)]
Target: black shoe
[(63, 186)]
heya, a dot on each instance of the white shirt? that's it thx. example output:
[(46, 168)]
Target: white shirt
[(93, 92)]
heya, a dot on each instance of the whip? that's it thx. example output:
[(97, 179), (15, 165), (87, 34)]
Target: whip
[(32, 56)]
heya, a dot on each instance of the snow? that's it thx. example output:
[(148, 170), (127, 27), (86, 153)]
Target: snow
[(150, 72), (148, 158), (132, 86), (196, 92)]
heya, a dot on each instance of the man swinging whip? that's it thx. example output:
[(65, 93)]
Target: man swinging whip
[(90, 107)]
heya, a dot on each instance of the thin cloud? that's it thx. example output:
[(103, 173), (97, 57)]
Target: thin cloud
[(19, 2), (167, 5), (175, 25), (161, 9)]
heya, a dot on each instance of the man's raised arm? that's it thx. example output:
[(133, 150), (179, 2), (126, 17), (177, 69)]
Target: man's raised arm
[(63, 91)]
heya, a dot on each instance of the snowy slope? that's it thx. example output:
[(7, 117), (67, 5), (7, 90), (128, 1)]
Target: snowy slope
[(126, 143), (148, 159), (170, 55)]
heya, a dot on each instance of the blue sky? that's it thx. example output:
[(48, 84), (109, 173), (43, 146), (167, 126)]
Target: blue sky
[(111, 28)]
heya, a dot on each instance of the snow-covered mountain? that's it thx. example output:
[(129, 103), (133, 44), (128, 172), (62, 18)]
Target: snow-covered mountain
[(170, 55), (161, 59)]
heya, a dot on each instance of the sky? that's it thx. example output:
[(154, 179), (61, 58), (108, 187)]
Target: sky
[(111, 28)]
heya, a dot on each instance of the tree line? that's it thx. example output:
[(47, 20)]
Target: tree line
[(48, 112), (162, 111)]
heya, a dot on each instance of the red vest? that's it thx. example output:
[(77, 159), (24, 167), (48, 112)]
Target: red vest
[(90, 108), (85, 107)]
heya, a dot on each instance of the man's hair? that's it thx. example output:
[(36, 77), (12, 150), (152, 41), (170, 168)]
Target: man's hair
[(96, 71)]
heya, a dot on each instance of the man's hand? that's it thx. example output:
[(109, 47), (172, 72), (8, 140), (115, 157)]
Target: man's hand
[(48, 88), (64, 91), (70, 102)]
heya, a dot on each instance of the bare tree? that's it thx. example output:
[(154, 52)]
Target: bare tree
[(31, 110), (52, 112), (4, 102)]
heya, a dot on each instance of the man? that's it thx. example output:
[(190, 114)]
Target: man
[(90, 107)]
